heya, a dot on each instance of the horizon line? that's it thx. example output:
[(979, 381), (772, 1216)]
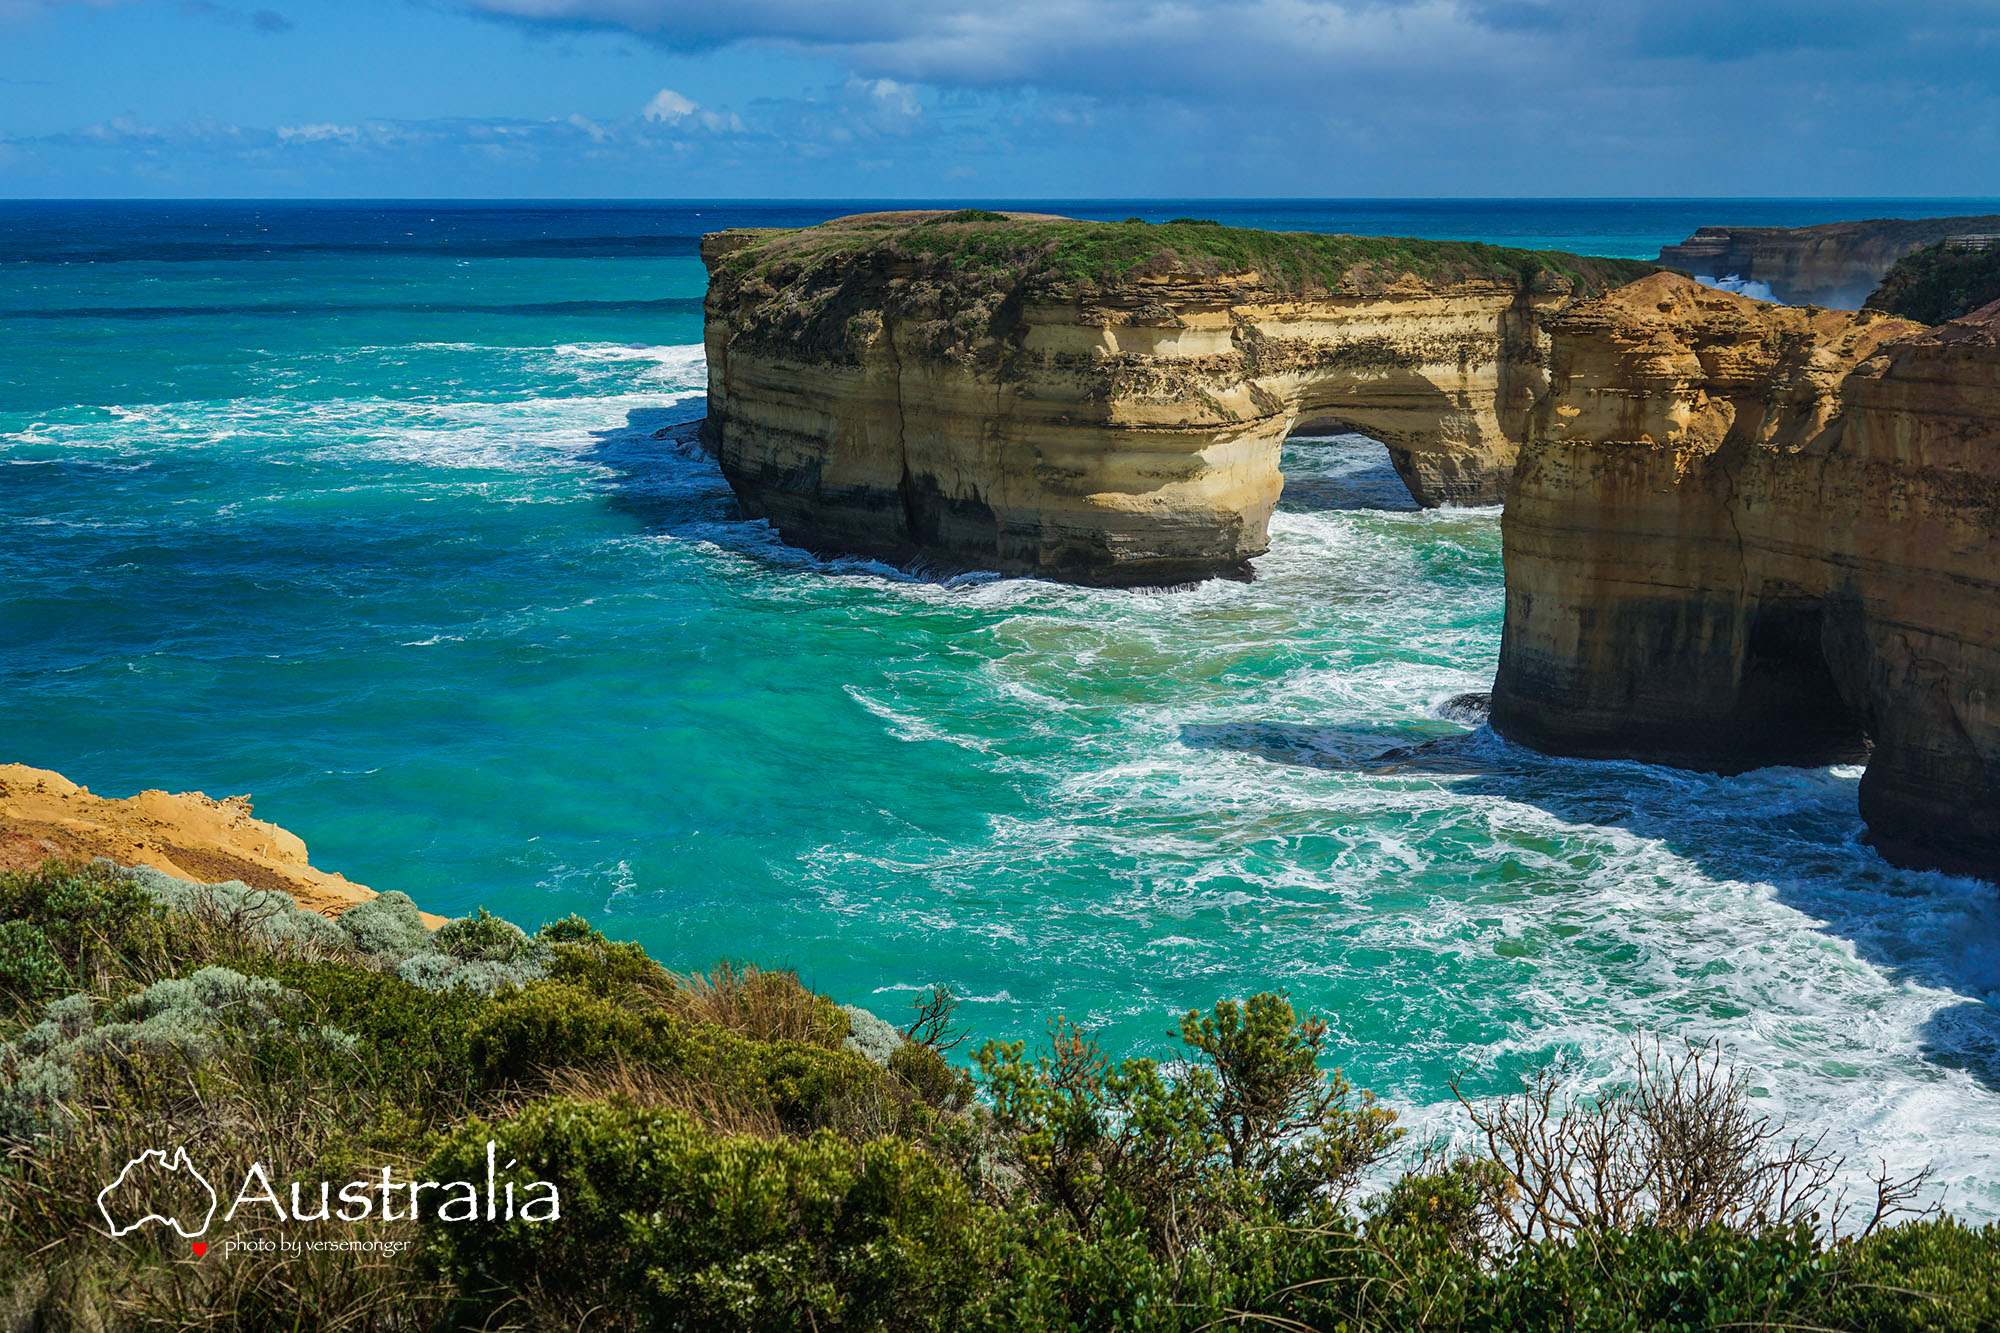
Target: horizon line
[(1019, 198)]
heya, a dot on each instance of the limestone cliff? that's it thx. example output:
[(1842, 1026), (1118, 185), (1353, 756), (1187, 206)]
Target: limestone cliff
[(1743, 534), (1104, 402), (186, 834), (1835, 264)]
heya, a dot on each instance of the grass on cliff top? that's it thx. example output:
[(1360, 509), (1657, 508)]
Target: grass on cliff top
[(1938, 283), (1065, 254)]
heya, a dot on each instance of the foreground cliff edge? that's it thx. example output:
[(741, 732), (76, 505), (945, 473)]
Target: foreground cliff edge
[(1744, 534), (1105, 402), (186, 834)]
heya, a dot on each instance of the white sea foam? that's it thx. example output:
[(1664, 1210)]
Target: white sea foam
[(1756, 291)]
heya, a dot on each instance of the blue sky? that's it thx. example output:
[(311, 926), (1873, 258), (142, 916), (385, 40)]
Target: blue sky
[(995, 98)]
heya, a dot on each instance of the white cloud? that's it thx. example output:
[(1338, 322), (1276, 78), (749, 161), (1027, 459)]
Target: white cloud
[(669, 106), (318, 133)]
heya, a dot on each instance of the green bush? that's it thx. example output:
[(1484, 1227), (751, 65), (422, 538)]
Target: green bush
[(553, 1025), (483, 937), (937, 1080), (414, 1044), (97, 920), (1252, 1129), (690, 1230), (30, 970), (1931, 1276), (386, 924)]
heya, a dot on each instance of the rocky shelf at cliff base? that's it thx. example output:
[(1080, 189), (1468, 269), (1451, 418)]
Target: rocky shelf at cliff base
[(1744, 534), (1105, 402), (1834, 264)]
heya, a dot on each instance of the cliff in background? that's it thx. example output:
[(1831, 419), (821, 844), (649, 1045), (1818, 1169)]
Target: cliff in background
[(1104, 402), (1835, 264), (1743, 534)]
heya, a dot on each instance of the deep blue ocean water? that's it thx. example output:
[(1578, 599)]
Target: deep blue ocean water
[(359, 508)]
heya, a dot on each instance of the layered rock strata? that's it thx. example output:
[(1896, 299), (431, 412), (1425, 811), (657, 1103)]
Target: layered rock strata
[(1835, 264), (1743, 534), (1103, 402)]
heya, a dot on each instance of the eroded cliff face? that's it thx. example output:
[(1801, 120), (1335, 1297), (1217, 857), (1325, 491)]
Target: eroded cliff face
[(1743, 534), (186, 834), (1835, 264), (869, 395)]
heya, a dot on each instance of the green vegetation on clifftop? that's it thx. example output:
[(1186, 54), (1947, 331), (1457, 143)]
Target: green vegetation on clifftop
[(1939, 283), (1065, 255), (734, 1152)]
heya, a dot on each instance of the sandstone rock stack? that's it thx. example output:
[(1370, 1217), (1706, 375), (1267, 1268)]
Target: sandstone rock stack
[(1742, 534), (961, 390)]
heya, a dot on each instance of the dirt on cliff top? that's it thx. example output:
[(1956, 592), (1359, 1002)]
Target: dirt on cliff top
[(188, 835), (1980, 328)]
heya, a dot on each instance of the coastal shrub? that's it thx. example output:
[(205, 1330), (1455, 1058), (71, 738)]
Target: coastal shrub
[(442, 972), (387, 924), (1652, 1278), (237, 916), (1935, 1275), (551, 1025), (935, 1024), (930, 1076), (414, 1044), (1251, 1127), (522, 1038), (765, 1004), (618, 970), (480, 953), (665, 1225), (177, 1021), (30, 970), (98, 922), (1297, 1131), (209, 998), (1677, 1147), (868, 1035), (483, 937)]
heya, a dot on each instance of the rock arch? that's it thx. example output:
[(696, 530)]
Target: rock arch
[(1129, 436)]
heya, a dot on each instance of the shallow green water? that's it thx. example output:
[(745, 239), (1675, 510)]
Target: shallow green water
[(381, 532)]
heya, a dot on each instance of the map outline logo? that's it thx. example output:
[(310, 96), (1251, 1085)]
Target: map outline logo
[(175, 1164)]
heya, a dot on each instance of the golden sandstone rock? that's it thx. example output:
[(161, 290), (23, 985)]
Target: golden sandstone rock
[(1745, 534), (186, 834), (994, 392)]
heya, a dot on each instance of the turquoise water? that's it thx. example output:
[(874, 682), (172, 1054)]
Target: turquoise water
[(368, 511)]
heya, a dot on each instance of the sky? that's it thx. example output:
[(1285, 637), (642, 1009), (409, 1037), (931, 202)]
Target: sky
[(930, 99)]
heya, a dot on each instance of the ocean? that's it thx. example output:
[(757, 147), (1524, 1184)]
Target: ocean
[(360, 508)]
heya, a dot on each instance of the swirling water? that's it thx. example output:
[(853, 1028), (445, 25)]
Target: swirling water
[(378, 513)]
